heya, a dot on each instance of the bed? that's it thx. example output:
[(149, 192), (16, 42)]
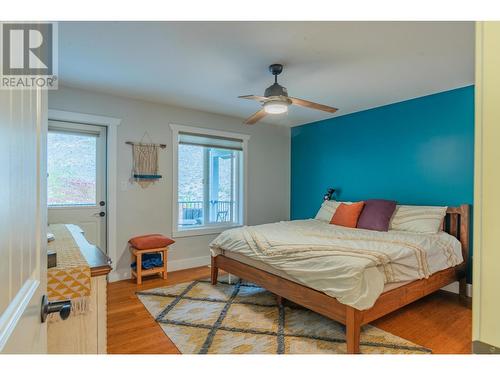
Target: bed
[(378, 283)]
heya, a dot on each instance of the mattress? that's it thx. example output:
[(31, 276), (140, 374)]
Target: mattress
[(352, 265), (266, 267)]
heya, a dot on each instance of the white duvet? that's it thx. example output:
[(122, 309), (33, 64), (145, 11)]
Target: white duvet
[(351, 265)]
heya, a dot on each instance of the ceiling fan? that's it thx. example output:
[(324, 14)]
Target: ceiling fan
[(276, 99)]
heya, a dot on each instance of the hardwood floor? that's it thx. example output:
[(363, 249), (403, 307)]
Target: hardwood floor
[(131, 329), (439, 321)]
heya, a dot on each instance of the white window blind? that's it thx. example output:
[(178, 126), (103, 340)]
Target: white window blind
[(210, 141)]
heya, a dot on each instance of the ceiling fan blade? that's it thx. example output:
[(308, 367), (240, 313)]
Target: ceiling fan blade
[(308, 104), (253, 97), (255, 117)]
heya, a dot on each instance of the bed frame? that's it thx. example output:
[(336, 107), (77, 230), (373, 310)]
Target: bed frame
[(455, 223)]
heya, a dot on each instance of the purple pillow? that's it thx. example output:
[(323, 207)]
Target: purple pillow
[(376, 214)]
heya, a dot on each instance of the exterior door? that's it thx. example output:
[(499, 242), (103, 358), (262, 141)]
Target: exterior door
[(76, 166), (23, 239)]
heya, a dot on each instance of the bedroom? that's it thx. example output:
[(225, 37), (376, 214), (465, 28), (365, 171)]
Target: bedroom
[(327, 190)]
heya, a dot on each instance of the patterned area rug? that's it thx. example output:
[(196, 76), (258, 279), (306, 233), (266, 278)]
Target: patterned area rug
[(245, 318)]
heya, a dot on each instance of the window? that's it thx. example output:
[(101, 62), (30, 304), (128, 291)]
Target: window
[(72, 168), (209, 188)]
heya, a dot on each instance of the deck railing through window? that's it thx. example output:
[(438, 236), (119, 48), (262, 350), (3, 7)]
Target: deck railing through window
[(192, 212)]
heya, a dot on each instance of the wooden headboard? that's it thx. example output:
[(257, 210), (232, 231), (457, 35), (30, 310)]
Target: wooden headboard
[(457, 223)]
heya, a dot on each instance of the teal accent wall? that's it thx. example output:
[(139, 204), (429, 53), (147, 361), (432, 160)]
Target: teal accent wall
[(420, 151)]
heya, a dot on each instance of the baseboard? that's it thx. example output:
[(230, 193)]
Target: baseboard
[(479, 347), (173, 265), (118, 275), (454, 288), (182, 264)]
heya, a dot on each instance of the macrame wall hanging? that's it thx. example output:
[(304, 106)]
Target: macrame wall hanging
[(145, 161)]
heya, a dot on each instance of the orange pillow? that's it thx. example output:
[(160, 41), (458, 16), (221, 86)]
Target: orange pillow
[(150, 241), (347, 215)]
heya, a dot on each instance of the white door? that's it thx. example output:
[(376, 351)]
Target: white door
[(76, 184), (23, 241)]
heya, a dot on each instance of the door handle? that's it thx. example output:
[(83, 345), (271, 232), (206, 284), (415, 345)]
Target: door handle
[(101, 214), (62, 307)]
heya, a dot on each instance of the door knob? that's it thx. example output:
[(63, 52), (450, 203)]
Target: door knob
[(62, 307), (101, 214)]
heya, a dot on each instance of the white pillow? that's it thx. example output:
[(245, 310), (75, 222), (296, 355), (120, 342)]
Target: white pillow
[(327, 209), (418, 219)]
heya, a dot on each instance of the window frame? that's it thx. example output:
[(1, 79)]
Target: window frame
[(207, 228)]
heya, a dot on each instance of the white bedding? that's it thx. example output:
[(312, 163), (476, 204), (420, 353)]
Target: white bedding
[(352, 265)]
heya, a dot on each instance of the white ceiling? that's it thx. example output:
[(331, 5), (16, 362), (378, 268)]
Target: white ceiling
[(206, 65)]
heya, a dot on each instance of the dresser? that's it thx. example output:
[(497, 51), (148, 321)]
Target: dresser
[(84, 333)]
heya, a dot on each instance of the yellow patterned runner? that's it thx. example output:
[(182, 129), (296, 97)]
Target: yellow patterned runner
[(70, 279)]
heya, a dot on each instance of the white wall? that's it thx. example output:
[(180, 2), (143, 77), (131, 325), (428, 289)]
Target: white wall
[(142, 211)]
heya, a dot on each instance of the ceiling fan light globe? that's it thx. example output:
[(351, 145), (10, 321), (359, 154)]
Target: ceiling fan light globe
[(275, 108)]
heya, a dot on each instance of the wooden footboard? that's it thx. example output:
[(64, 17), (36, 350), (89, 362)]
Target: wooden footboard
[(456, 223)]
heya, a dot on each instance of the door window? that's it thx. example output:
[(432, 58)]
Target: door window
[(72, 169)]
